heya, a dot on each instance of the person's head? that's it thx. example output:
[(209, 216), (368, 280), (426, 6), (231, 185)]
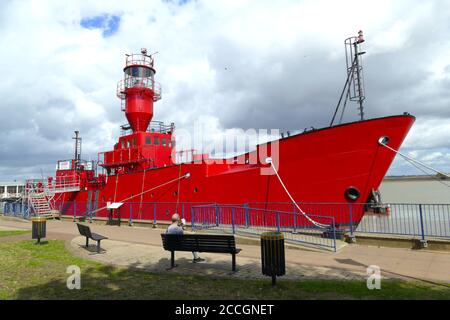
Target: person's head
[(175, 218)]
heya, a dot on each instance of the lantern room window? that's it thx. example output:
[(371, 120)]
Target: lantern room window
[(139, 72)]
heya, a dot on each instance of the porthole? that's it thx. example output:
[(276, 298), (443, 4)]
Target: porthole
[(383, 140), (352, 193), (195, 190)]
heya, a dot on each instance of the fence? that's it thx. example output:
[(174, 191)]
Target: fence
[(416, 220), (253, 221), (423, 220), (16, 209), (131, 211)]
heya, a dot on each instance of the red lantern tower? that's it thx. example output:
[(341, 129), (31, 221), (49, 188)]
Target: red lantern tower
[(143, 143), (138, 90)]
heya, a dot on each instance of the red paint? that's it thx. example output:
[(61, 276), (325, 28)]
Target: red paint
[(316, 166)]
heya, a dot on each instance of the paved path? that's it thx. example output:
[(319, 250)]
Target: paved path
[(140, 247)]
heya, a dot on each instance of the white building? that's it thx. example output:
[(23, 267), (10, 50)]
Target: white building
[(11, 189)]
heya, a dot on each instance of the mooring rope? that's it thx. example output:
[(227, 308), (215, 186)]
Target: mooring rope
[(317, 224), (178, 191), (142, 195), (380, 141), (187, 175)]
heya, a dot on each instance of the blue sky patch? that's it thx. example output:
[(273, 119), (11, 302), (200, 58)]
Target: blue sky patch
[(109, 24)]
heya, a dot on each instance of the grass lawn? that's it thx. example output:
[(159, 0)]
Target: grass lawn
[(29, 271), (8, 233)]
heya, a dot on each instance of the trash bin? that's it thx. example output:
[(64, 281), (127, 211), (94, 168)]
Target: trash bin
[(38, 228), (272, 255)]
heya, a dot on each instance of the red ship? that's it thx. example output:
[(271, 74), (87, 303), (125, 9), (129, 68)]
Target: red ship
[(342, 163)]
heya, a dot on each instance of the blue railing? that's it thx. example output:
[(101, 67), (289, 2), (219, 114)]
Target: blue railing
[(413, 220), (416, 220), (253, 221), (16, 209)]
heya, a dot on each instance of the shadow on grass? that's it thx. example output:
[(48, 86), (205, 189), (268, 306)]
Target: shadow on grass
[(48, 280), (108, 282)]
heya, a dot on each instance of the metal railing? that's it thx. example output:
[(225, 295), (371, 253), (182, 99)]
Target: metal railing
[(250, 221), (121, 156), (16, 209), (139, 59), (138, 82), (421, 221), (48, 186), (154, 126)]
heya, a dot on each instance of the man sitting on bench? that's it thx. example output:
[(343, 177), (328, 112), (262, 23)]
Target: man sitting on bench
[(175, 228)]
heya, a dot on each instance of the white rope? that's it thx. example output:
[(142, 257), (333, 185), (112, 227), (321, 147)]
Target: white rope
[(187, 175), (317, 224), (411, 159), (142, 195), (178, 191)]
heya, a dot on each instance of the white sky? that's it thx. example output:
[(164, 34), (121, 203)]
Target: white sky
[(228, 64)]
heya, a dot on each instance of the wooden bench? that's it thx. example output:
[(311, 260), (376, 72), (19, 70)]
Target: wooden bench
[(86, 231), (200, 243)]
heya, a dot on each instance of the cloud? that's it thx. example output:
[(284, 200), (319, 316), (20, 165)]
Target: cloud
[(235, 64), (109, 24)]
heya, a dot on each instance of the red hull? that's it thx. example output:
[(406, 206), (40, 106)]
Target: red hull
[(316, 167)]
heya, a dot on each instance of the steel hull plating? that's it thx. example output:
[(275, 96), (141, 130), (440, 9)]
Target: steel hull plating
[(316, 167)]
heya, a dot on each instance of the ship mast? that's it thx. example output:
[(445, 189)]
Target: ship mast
[(354, 85), (77, 155), (354, 62)]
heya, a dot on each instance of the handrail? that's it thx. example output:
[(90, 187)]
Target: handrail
[(139, 59), (138, 82), (154, 126), (122, 159)]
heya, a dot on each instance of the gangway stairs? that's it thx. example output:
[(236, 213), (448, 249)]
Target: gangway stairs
[(40, 192), (40, 204)]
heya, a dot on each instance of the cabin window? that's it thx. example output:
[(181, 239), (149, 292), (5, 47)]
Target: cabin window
[(148, 140), (195, 190), (169, 143), (134, 141), (156, 141), (163, 141), (128, 144)]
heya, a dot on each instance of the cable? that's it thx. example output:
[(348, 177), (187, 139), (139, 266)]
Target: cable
[(317, 224), (347, 82), (187, 175), (413, 160)]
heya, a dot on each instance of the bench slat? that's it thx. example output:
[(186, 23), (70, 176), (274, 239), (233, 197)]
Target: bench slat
[(200, 243)]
